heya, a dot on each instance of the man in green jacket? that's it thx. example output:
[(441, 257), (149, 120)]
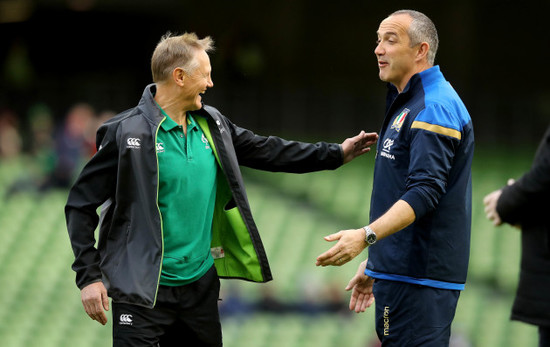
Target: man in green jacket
[(175, 216)]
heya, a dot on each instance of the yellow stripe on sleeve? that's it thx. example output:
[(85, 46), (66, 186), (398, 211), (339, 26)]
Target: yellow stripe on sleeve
[(437, 129)]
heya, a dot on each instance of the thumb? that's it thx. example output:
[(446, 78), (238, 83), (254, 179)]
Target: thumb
[(351, 283), (105, 300), (333, 237)]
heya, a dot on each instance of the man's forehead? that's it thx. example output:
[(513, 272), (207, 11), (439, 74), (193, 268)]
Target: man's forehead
[(396, 25)]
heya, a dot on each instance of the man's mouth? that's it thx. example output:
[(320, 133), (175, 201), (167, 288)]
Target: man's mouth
[(382, 63)]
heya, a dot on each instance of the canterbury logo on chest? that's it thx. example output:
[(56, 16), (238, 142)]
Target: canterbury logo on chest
[(133, 142)]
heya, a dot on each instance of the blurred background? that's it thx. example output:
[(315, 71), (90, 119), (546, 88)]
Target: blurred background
[(300, 69)]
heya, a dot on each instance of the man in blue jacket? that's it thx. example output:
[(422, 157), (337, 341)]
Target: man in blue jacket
[(420, 214), (175, 215)]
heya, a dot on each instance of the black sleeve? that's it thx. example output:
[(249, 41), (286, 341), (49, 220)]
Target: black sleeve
[(273, 153), (95, 184), (526, 201)]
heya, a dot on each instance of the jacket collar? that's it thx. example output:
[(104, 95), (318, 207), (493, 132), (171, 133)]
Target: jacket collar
[(427, 76), (149, 107)]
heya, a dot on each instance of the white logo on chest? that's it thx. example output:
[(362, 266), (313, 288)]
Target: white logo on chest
[(205, 141), (386, 147), (160, 147), (133, 142)]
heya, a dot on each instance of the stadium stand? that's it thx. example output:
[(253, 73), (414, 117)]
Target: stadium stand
[(40, 305)]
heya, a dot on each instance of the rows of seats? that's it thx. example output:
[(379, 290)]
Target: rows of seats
[(40, 304)]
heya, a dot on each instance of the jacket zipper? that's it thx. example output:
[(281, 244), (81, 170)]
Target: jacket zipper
[(158, 208)]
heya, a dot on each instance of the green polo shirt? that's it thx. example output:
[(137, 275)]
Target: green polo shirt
[(187, 192)]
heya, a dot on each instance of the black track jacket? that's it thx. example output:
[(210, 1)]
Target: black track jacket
[(526, 202), (122, 176)]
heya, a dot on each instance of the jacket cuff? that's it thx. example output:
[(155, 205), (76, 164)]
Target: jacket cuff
[(417, 203), (82, 286), (341, 153)]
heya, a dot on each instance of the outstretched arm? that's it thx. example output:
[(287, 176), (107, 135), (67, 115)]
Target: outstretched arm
[(272, 153), (352, 242)]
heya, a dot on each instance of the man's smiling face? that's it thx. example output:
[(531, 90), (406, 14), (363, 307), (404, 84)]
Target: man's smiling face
[(396, 57), (197, 82)]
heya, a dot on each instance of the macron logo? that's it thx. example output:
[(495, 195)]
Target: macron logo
[(125, 319), (133, 142)]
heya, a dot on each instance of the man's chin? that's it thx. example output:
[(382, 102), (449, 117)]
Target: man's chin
[(197, 106)]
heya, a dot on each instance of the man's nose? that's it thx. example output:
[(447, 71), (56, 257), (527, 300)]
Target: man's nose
[(378, 50)]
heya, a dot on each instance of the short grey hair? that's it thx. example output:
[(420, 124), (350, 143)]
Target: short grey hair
[(177, 51), (422, 29)]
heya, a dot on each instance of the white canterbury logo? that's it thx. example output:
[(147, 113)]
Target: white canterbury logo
[(133, 142), (125, 319), (160, 147), (220, 127)]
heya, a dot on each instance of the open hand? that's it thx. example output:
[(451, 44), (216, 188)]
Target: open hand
[(358, 145), (350, 244), (362, 296)]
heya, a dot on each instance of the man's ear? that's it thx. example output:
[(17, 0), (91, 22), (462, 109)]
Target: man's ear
[(178, 75), (422, 52)]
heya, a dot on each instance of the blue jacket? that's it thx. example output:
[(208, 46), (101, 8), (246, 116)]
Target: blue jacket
[(424, 157)]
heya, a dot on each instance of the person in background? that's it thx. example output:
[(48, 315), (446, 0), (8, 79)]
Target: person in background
[(524, 203), (420, 213), (10, 139), (175, 213)]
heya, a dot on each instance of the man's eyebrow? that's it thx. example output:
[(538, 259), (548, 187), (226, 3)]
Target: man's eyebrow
[(387, 33)]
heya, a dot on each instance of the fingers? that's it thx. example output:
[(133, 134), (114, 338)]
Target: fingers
[(352, 301), (359, 302), (350, 244), (95, 300), (371, 138), (94, 309), (333, 237), (332, 257), (490, 201), (365, 139), (105, 301), (368, 303), (358, 145), (101, 317), (359, 306), (490, 198)]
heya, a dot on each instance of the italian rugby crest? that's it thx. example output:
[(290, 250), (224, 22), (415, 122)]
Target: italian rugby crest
[(398, 122)]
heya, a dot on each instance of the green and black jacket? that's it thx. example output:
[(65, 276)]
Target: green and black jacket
[(122, 178)]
